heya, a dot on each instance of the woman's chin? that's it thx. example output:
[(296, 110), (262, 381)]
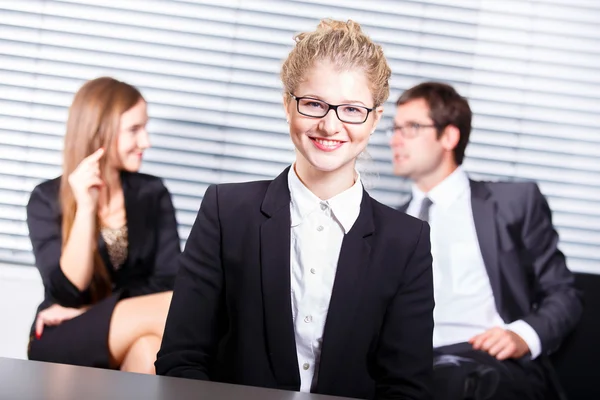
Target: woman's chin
[(327, 164), (132, 166)]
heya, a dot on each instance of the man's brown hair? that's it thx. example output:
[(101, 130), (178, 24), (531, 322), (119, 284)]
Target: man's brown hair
[(446, 107)]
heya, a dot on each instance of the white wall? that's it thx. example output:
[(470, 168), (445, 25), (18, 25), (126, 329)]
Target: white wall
[(21, 291)]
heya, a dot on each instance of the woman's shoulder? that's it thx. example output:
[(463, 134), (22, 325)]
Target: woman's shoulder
[(241, 196), (393, 217), (44, 198), (142, 178), (252, 191), (47, 189), (144, 184), (243, 188)]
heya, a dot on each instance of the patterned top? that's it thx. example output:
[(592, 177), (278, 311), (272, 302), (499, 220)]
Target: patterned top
[(117, 241)]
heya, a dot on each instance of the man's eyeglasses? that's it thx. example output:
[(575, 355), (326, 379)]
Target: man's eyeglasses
[(348, 113), (408, 131)]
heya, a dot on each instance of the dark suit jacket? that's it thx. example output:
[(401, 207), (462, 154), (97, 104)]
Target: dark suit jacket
[(153, 241), (231, 321), (527, 271)]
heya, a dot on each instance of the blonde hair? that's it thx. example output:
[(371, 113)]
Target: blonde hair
[(93, 122), (344, 45)]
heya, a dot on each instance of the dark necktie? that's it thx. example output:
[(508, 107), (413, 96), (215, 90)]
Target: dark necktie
[(425, 206)]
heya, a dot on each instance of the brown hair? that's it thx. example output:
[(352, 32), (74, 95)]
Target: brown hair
[(446, 107), (93, 122), (345, 46)]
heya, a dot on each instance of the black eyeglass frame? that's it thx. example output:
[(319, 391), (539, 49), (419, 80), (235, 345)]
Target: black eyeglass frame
[(391, 131), (331, 107)]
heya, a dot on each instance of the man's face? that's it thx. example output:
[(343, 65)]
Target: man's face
[(417, 150)]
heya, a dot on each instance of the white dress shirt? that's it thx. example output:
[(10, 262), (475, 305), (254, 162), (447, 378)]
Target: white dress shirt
[(464, 301), (317, 230)]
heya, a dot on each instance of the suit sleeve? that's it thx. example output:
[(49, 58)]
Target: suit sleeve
[(167, 249), (45, 232), (193, 324), (404, 358), (558, 304)]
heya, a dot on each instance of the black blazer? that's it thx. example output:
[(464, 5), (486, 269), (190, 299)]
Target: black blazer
[(153, 241), (528, 273), (231, 321)]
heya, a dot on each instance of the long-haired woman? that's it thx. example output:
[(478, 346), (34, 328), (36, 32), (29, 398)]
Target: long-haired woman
[(104, 238)]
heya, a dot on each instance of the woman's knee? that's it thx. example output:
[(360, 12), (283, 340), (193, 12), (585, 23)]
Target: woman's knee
[(141, 355), (137, 317), (146, 314)]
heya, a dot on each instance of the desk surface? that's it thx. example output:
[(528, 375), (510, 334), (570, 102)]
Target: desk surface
[(33, 380)]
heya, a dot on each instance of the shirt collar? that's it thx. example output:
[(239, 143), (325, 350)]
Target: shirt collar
[(447, 191), (345, 206)]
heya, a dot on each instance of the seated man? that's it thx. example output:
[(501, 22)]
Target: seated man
[(504, 296)]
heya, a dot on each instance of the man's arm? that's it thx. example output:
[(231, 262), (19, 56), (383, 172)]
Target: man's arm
[(557, 306), (558, 303)]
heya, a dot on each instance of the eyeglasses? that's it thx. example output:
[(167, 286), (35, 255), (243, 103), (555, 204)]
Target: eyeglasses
[(408, 131), (348, 113)]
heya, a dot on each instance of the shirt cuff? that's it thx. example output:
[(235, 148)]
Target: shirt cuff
[(529, 335)]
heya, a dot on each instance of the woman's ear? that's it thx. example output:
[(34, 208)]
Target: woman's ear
[(286, 105), (378, 113)]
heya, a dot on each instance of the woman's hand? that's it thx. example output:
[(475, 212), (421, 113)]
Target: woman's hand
[(55, 315), (85, 181)]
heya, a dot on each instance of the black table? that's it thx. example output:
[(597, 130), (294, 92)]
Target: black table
[(33, 380)]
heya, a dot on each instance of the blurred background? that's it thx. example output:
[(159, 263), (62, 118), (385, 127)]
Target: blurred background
[(210, 72)]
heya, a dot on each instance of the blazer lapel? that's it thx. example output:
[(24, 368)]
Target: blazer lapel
[(276, 285), (134, 211), (484, 216), (346, 295)]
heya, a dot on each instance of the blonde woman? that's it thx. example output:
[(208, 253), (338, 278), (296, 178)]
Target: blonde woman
[(104, 238), (305, 282)]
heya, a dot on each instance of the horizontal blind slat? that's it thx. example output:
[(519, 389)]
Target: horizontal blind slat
[(209, 71)]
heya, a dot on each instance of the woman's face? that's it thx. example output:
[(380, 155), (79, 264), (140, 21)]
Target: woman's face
[(132, 138), (328, 144)]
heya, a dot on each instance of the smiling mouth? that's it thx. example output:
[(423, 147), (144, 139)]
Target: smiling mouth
[(326, 144)]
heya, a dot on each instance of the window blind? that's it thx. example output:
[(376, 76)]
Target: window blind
[(209, 70)]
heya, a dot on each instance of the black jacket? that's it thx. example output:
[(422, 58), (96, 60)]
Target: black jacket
[(231, 320), (153, 241)]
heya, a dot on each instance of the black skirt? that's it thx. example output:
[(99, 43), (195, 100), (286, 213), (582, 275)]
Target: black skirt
[(82, 340)]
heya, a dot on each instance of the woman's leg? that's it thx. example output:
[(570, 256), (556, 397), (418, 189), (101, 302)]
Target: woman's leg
[(134, 318), (141, 355)]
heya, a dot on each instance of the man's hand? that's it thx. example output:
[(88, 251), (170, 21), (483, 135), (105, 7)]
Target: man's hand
[(500, 343)]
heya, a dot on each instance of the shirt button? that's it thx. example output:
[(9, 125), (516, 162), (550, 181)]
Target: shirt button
[(323, 206), (308, 319), (313, 271), (305, 366), (320, 228)]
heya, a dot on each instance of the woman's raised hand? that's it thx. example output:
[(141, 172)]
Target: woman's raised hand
[(85, 181)]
